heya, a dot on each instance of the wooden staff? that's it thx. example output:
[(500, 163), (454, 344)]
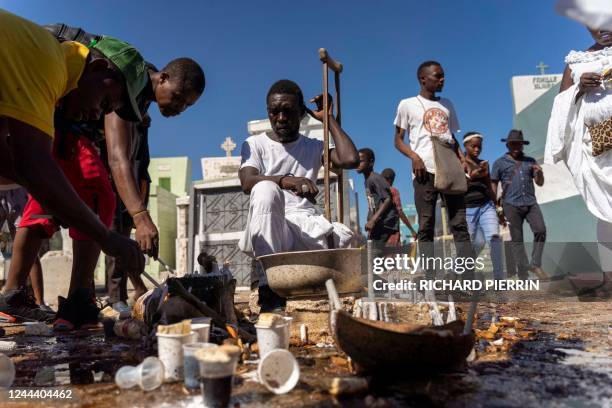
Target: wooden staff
[(330, 63)]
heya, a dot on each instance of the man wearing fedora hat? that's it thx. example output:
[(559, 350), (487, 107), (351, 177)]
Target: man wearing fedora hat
[(517, 172)]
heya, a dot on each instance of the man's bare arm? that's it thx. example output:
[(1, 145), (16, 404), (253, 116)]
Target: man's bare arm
[(494, 187), (402, 146), (249, 176), (418, 166), (381, 210), (345, 155), (398, 206), (539, 179), (300, 186), (35, 169), (538, 175), (118, 133), (406, 221)]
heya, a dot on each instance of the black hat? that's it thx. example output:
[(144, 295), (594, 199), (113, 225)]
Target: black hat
[(515, 136)]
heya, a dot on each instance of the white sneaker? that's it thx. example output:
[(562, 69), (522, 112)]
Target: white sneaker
[(123, 310)]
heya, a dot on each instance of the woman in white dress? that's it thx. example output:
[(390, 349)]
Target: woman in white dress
[(585, 103), (583, 107)]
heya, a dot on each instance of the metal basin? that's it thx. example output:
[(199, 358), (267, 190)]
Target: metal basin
[(380, 347), (303, 273)]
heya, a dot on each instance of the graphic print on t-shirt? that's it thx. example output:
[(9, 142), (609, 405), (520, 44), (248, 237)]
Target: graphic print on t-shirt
[(435, 121)]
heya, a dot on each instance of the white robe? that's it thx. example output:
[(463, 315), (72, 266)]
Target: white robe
[(569, 140), (272, 227), (280, 221)]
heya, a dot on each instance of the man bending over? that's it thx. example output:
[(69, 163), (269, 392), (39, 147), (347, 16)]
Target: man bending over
[(174, 90), (37, 74)]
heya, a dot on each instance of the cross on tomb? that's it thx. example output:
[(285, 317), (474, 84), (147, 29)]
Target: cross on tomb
[(542, 67), (228, 146)]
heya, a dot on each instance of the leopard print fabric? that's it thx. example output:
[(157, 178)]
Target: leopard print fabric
[(601, 137)]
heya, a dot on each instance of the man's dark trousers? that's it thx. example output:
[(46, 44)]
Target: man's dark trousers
[(533, 215), (116, 272), (425, 199)]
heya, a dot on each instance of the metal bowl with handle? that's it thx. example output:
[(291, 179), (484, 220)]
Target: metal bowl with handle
[(303, 273)]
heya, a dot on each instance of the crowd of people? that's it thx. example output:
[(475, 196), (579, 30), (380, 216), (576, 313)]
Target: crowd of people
[(279, 170), (475, 213), (73, 134)]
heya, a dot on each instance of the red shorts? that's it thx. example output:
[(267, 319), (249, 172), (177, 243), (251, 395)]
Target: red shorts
[(87, 174)]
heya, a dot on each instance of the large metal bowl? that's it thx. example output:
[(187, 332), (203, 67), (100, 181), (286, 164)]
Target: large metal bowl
[(303, 273)]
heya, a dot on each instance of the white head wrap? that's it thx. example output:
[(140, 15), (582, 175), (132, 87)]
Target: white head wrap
[(470, 137)]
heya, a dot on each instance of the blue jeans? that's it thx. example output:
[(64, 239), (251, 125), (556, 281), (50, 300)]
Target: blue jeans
[(483, 226)]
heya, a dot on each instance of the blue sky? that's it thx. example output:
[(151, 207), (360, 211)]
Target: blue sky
[(244, 46)]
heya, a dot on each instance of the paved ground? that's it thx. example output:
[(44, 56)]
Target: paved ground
[(556, 354)]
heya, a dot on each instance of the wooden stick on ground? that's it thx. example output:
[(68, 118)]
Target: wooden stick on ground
[(176, 288)]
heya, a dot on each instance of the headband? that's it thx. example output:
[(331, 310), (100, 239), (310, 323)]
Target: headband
[(470, 137)]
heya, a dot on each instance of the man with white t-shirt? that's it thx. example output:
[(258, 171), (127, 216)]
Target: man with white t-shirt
[(279, 170), (423, 117)]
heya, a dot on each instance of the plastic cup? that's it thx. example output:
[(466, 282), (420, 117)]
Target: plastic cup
[(289, 320), (126, 377), (7, 371), (273, 338), (202, 330), (191, 369), (151, 373), (278, 371), (148, 375), (170, 352), (206, 320), (7, 347), (37, 329), (109, 326), (217, 367)]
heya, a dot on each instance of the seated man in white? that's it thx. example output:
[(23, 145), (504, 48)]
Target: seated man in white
[(279, 170)]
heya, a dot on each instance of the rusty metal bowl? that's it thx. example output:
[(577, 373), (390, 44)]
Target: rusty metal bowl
[(381, 347), (303, 273)]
